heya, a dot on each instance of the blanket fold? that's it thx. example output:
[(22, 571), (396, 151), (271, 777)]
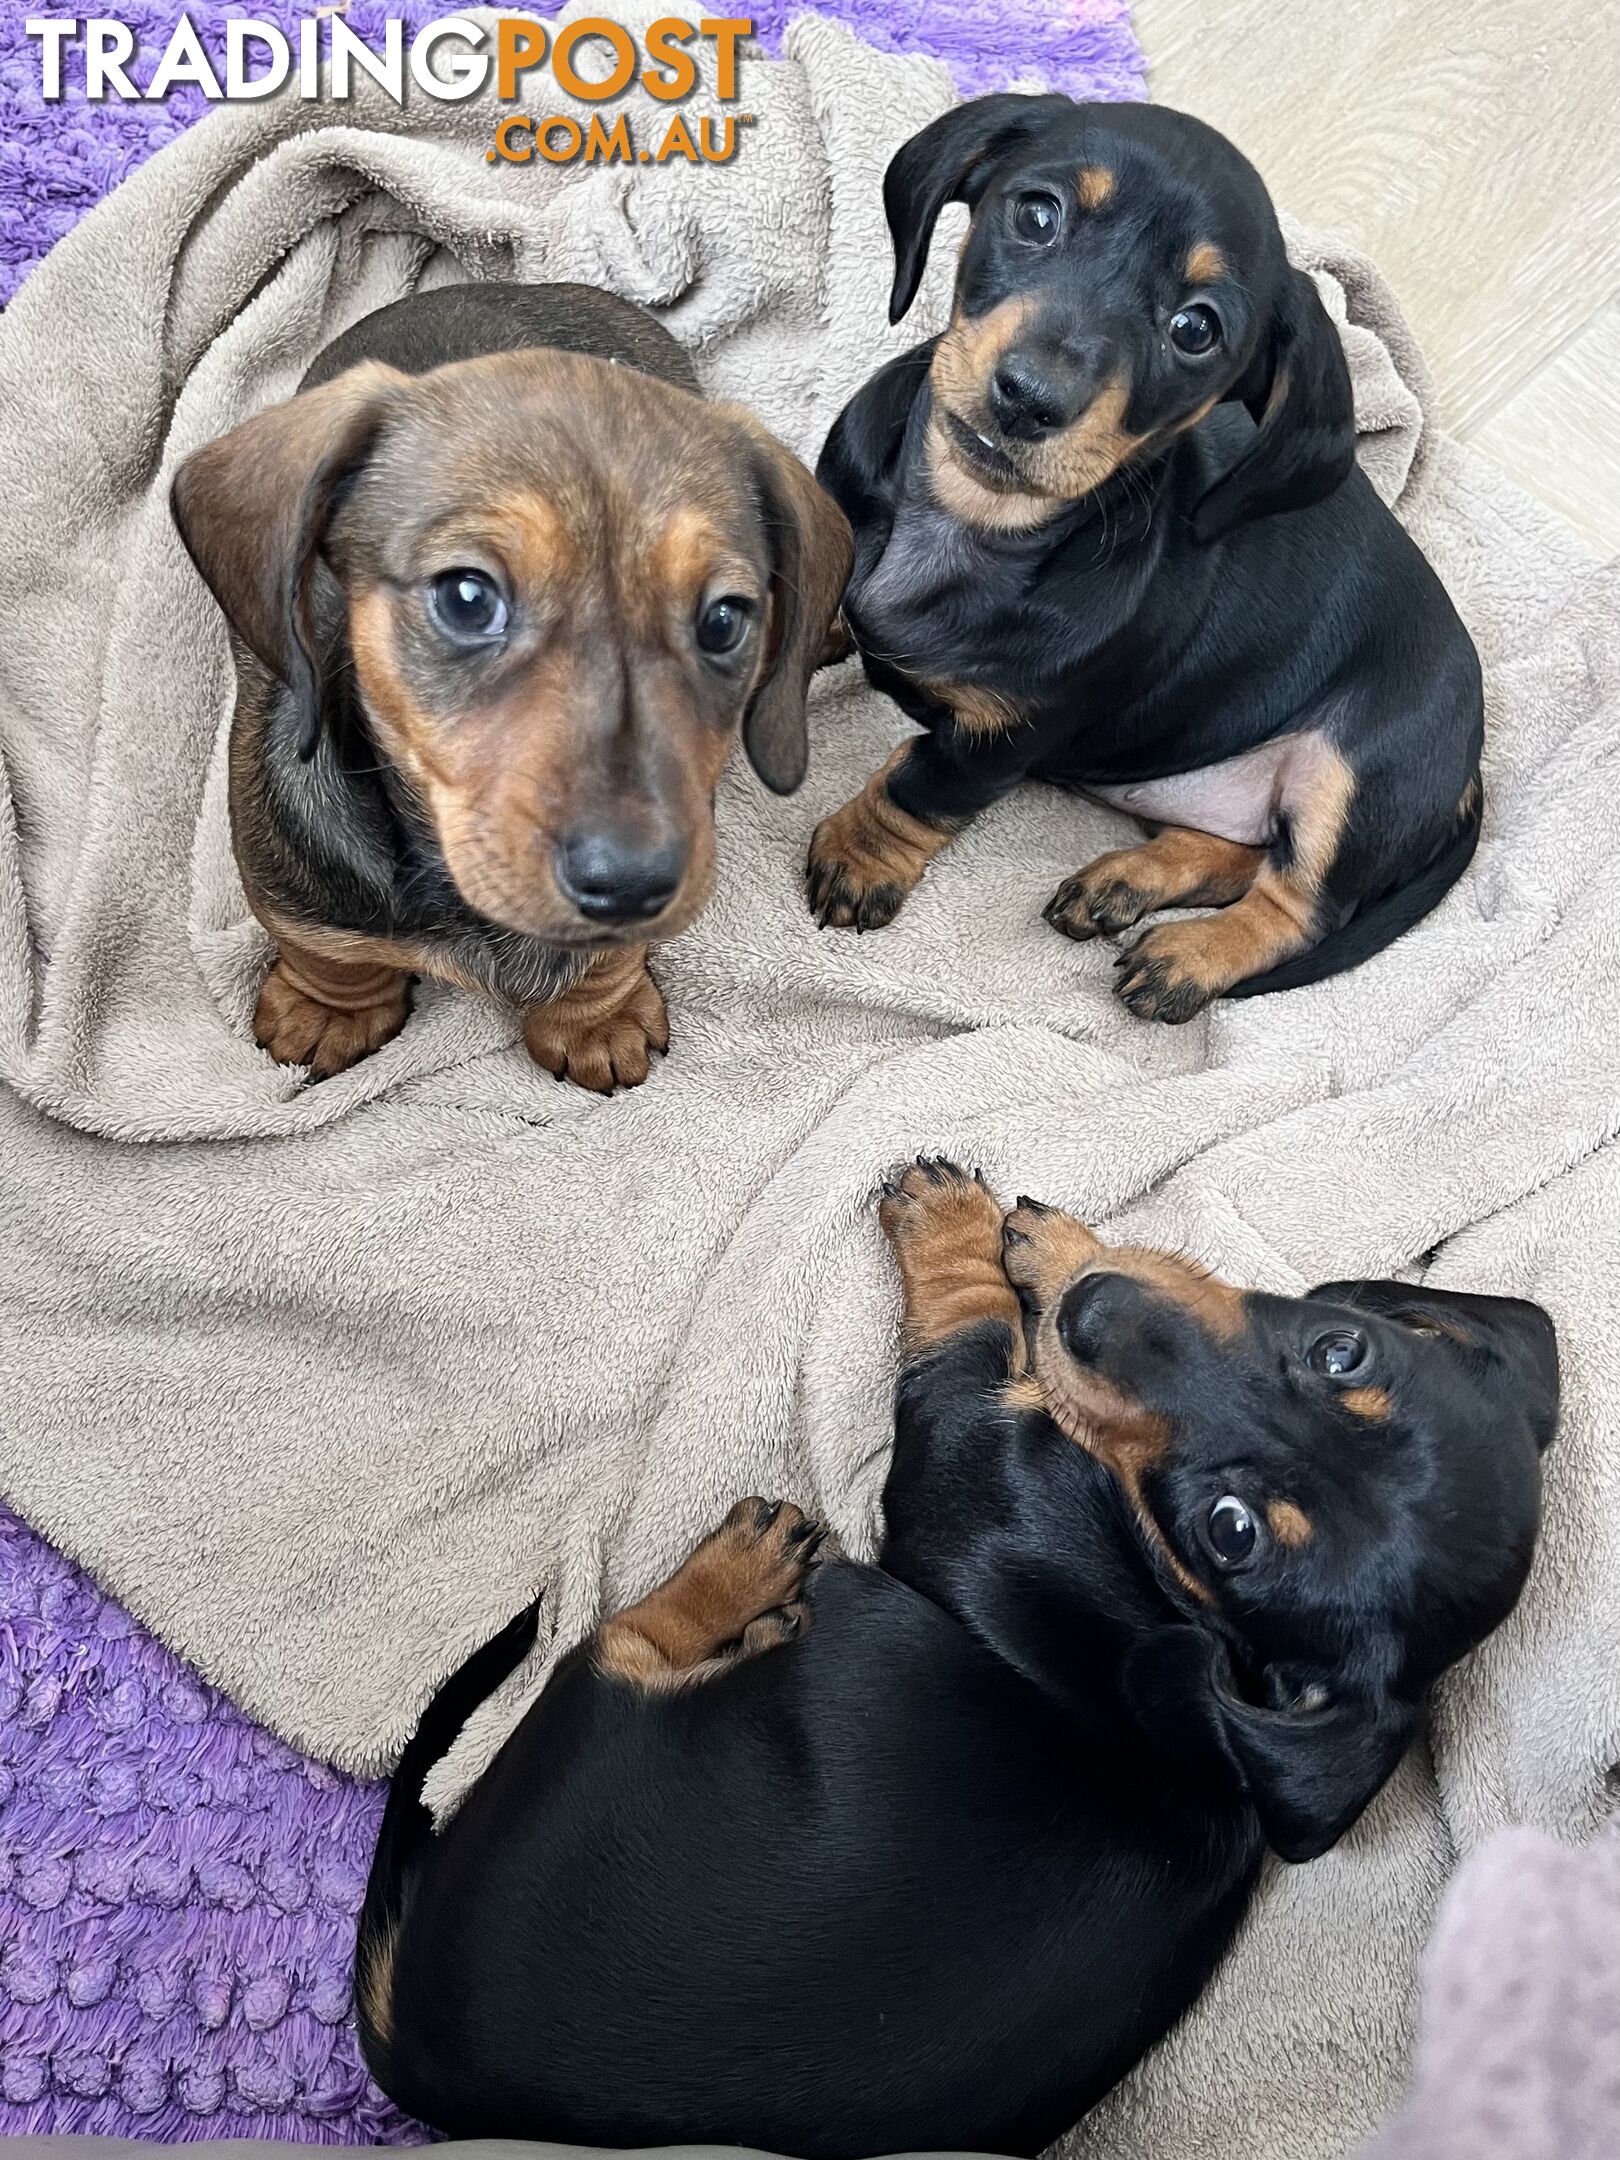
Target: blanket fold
[(322, 1380)]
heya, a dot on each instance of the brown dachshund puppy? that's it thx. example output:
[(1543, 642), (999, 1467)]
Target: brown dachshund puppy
[(502, 589)]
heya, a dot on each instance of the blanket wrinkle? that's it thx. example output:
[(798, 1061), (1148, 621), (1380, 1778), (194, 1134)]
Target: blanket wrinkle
[(324, 1381)]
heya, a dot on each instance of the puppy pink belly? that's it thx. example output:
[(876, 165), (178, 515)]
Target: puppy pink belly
[(1235, 800)]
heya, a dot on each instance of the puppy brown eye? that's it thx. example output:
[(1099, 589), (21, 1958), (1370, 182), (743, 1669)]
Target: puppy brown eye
[(468, 606), (1038, 218), (1230, 1532), (1337, 1355), (723, 624), (1195, 330)]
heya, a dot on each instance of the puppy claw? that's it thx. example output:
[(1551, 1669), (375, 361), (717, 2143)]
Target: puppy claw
[(1155, 985), (600, 1050), (1042, 1249), (1096, 903), (297, 1029)]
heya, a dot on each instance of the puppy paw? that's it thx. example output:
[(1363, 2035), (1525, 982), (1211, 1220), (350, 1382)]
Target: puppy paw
[(933, 1203), (1100, 900), (597, 1045), (755, 1566), (1169, 974), (1042, 1250), (849, 886), (298, 1029), (865, 858), (944, 1226)]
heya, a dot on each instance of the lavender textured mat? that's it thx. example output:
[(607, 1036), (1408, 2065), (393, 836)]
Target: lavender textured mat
[(177, 1888), (178, 1891), (56, 161)]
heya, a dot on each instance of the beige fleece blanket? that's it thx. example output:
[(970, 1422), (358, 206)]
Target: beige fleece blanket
[(323, 1380)]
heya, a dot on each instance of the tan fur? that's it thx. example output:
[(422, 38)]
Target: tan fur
[(1290, 1525), (1205, 265), (601, 1032), (971, 501), (1044, 1251), (968, 352), (978, 711), (873, 845), (329, 1000), (1372, 1403), (737, 1595), (1190, 963), (1023, 1394), (1084, 455), (376, 1978), (945, 1231), (1094, 184), (1176, 868)]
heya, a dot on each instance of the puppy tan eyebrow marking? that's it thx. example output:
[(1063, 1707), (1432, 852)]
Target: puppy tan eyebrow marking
[(1094, 184), (1205, 264), (1371, 1403), (1290, 1525)]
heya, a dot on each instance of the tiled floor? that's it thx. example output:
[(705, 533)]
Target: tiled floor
[(1472, 148)]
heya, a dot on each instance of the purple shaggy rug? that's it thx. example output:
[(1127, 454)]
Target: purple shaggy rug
[(178, 1889), (57, 161)]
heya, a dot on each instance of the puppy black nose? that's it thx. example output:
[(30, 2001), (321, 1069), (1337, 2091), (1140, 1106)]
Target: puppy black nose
[(612, 878), (1090, 1308), (1028, 399)]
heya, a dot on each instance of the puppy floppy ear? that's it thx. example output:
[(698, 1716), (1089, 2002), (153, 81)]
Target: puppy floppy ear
[(1298, 395), (1307, 1773), (812, 551), (253, 509), (949, 162)]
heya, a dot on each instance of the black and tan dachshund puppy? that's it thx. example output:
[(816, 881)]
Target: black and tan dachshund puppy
[(502, 588), (1110, 533), (925, 1855)]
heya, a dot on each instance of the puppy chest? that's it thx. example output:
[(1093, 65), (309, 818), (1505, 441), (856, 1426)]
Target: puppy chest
[(920, 603)]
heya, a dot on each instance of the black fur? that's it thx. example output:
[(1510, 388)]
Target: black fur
[(939, 1872), (1234, 582)]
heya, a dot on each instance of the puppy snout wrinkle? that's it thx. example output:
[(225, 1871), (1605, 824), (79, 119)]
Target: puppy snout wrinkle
[(614, 876)]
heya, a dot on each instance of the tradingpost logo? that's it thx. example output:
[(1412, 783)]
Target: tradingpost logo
[(594, 59)]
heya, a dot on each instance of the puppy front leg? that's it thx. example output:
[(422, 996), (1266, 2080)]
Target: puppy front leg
[(601, 1032), (865, 858), (740, 1592), (328, 1013), (944, 1227), (962, 1388)]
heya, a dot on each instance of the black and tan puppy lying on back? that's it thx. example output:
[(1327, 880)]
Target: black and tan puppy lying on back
[(502, 590), (1110, 533), (924, 1856)]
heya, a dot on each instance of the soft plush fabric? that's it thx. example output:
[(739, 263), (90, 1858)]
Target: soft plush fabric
[(323, 1380), (58, 160), (165, 1864)]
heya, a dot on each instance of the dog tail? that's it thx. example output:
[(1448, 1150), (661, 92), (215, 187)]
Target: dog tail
[(407, 1825), (1380, 923)]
